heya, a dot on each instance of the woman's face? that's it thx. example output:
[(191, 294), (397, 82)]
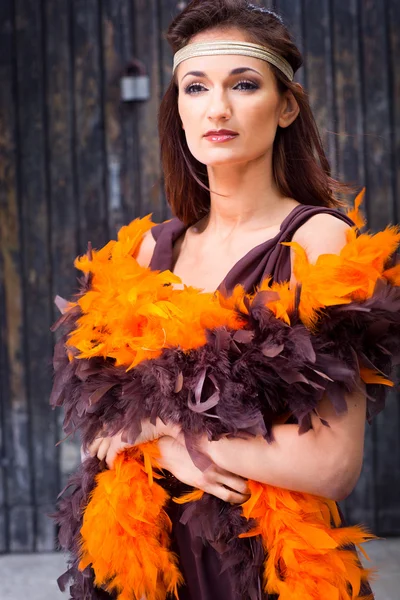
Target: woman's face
[(235, 93)]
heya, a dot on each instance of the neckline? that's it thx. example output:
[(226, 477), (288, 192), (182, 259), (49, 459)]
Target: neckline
[(178, 232)]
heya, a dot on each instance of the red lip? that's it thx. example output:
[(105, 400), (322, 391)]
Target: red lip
[(221, 132)]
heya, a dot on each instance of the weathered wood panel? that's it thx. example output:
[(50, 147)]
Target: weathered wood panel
[(7, 202), (360, 506), (318, 56), (3, 396), (387, 461), (349, 117), (147, 36), (62, 186), (120, 122), (36, 260), (387, 439), (19, 534), (379, 494), (76, 163), (393, 65), (376, 106), (89, 123)]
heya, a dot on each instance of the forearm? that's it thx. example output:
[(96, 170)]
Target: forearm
[(324, 461), (293, 462)]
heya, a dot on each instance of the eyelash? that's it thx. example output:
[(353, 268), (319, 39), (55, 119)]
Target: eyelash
[(189, 89)]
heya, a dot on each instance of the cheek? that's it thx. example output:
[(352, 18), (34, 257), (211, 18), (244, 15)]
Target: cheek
[(261, 112), (191, 115), (259, 123), (193, 124)]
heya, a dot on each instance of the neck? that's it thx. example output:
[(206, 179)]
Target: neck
[(249, 197)]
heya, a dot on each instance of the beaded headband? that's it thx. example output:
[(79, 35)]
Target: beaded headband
[(242, 48)]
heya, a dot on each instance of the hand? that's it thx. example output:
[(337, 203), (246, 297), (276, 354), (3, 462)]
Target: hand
[(214, 480), (106, 447)]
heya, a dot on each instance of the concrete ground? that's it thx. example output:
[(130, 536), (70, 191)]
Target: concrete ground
[(33, 577)]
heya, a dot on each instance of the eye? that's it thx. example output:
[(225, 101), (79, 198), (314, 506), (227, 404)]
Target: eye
[(193, 88), (245, 85)]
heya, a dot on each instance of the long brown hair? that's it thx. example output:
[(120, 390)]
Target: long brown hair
[(300, 167)]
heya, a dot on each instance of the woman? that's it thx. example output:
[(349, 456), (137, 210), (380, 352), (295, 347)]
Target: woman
[(245, 171), (230, 125)]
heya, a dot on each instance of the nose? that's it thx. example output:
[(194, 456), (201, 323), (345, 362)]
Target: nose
[(219, 107)]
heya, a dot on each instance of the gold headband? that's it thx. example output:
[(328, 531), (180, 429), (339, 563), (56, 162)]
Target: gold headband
[(242, 48)]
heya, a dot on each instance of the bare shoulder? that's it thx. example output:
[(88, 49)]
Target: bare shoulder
[(146, 249), (322, 234)]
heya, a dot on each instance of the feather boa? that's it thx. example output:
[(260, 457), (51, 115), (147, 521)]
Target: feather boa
[(135, 347)]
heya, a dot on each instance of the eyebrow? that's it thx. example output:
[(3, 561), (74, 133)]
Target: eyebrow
[(238, 71)]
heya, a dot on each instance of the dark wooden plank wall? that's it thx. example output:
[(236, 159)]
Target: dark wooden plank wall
[(62, 180), (76, 164), (18, 489)]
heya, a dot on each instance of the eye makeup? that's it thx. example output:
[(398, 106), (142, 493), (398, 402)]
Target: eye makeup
[(246, 86)]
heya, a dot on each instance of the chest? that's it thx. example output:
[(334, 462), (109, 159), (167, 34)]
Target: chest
[(205, 275), (206, 265)]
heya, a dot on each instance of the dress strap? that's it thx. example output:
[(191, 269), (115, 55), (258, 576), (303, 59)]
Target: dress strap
[(269, 259), (165, 235), (278, 264)]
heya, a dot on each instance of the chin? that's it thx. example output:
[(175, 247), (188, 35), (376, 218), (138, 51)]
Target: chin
[(224, 159)]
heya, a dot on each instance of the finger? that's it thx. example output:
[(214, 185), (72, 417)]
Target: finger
[(97, 441), (228, 495), (234, 482), (103, 448), (216, 474), (110, 458), (112, 454), (113, 451), (94, 446)]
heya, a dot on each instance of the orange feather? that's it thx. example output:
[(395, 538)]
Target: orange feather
[(306, 557), (355, 213), (131, 314), (125, 532)]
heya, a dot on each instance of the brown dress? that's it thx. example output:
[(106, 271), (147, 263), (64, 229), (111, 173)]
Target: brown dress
[(199, 562)]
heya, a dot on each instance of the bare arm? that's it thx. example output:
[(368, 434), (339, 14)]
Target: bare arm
[(325, 461), (215, 480), (175, 458)]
